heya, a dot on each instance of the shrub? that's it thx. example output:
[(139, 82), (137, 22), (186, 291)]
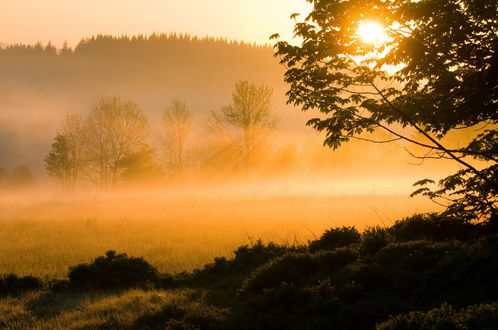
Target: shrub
[(373, 239), (113, 271), (483, 316), (290, 268), (414, 255), (166, 281), (335, 238), (246, 260), (257, 254), (330, 262), (371, 275), (298, 268), (432, 226), (184, 314), (11, 284)]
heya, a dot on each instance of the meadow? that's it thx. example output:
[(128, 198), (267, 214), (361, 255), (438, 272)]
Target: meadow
[(43, 233)]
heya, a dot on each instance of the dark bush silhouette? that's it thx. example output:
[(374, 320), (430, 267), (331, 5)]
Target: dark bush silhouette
[(296, 291), (113, 271), (298, 268), (246, 259), (335, 238), (482, 317), (184, 315), (373, 239), (11, 285), (291, 268), (432, 226), (224, 277), (414, 255)]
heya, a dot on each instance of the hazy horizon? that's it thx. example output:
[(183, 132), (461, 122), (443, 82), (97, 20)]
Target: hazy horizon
[(250, 22)]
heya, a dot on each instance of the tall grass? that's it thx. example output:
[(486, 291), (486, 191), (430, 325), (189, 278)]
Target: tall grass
[(43, 235)]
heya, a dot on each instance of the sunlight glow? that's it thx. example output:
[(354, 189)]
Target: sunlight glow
[(371, 32)]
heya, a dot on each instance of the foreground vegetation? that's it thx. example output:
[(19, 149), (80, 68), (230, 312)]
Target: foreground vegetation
[(426, 271)]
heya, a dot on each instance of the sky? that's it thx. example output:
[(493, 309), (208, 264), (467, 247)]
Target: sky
[(30, 21)]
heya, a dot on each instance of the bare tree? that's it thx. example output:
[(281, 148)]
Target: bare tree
[(65, 160), (242, 127), (115, 130), (176, 130)]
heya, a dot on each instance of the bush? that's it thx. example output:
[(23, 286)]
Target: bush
[(371, 275), (373, 239), (432, 226), (246, 260), (414, 255), (248, 257), (298, 268), (113, 271), (330, 262), (184, 314), (483, 317), (290, 268), (335, 238), (11, 284)]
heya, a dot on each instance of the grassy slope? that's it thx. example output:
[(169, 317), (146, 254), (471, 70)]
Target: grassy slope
[(135, 309)]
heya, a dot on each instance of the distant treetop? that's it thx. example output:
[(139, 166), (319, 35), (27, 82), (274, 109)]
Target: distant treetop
[(106, 43)]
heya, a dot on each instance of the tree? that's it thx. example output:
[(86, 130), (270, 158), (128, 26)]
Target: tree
[(65, 50), (176, 130), (434, 71), (66, 161), (50, 49), (115, 129), (141, 167), (243, 126), (57, 161)]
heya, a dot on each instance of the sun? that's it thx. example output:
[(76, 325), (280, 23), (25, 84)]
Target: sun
[(371, 32)]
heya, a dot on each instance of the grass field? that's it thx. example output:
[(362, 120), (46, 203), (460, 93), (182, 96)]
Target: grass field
[(42, 234)]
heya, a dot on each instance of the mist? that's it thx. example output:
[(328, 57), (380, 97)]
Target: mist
[(275, 181), (340, 174)]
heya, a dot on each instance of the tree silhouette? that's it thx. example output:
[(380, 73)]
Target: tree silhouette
[(243, 126), (435, 71), (115, 129), (57, 161), (66, 159), (176, 130), (140, 167)]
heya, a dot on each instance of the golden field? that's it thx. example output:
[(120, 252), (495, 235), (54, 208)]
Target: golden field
[(44, 233)]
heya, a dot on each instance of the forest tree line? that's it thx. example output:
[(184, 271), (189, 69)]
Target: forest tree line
[(137, 57)]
